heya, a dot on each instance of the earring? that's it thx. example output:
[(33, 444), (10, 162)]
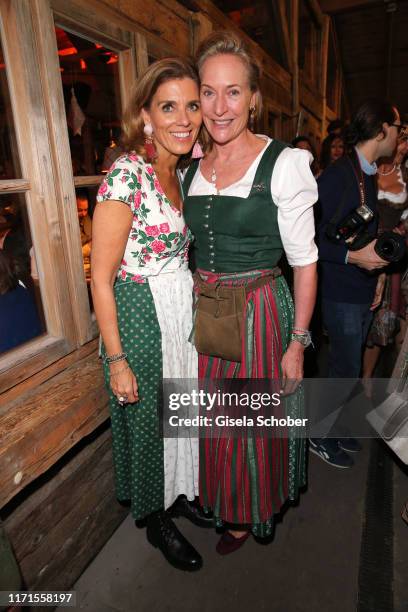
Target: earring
[(252, 113), (151, 152), (197, 151)]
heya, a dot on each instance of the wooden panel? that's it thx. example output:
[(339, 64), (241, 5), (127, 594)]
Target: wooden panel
[(335, 6), (316, 10), (42, 425), (162, 20), (366, 42), (202, 27), (21, 363), (272, 90), (11, 387), (58, 135), (127, 73), (14, 186), (330, 114), (325, 53), (312, 100), (59, 528), (32, 136), (281, 23), (83, 181), (220, 21), (76, 16), (294, 28), (142, 59)]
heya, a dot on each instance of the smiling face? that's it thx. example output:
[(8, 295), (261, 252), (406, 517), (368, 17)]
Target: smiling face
[(175, 116), (225, 97)]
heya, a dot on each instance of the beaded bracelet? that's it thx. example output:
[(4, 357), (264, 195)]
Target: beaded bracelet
[(114, 358)]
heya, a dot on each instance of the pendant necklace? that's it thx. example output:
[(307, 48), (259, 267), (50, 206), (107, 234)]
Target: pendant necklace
[(214, 180)]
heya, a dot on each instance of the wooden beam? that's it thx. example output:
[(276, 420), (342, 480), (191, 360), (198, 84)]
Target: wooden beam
[(142, 56), (324, 64), (294, 29), (200, 28), (340, 80), (14, 186), (336, 6), (316, 10), (282, 29), (83, 181), (390, 48)]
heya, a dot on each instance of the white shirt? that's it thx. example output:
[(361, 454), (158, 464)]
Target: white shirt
[(294, 191)]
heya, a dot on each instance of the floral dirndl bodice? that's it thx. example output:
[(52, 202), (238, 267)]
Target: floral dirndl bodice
[(159, 238)]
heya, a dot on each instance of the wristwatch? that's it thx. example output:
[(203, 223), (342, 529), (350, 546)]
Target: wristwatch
[(304, 338)]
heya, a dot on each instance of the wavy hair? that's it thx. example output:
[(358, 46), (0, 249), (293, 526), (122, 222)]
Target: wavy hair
[(156, 74)]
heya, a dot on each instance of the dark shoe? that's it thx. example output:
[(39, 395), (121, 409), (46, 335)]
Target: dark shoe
[(351, 445), (328, 449), (162, 533), (192, 511), (228, 543)]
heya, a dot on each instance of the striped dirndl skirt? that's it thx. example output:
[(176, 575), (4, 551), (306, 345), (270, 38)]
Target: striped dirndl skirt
[(245, 480)]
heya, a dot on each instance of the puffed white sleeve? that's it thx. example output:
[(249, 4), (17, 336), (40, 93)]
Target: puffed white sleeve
[(294, 191)]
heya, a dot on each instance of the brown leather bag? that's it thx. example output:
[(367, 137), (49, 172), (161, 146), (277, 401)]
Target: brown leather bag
[(220, 313)]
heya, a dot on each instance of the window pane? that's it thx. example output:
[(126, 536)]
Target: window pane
[(21, 312), (9, 163), (90, 79), (86, 201)]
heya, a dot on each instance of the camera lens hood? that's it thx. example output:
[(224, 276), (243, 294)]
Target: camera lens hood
[(390, 246)]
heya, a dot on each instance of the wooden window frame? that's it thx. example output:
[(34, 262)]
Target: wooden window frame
[(43, 145), (271, 107)]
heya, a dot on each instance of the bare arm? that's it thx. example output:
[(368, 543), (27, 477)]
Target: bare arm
[(111, 225), (305, 285)]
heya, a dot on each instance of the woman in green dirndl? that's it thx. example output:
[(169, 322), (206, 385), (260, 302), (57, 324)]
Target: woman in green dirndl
[(142, 293), (247, 201)]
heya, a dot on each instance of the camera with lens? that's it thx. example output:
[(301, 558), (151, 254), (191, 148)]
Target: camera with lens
[(352, 230)]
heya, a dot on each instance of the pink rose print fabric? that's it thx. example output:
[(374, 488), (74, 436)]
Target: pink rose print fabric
[(159, 238)]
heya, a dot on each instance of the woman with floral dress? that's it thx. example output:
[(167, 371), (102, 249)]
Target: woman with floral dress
[(142, 292)]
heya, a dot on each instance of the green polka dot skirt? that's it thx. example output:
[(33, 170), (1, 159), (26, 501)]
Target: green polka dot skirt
[(137, 443)]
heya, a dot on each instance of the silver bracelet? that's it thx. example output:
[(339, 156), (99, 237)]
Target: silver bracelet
[(114, 358)]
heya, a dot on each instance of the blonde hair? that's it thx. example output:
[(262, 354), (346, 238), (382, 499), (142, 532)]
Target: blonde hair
[(225, 42), (144, 89)]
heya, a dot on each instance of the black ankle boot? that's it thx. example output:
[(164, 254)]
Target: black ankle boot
[(192, 511), (162, 533)]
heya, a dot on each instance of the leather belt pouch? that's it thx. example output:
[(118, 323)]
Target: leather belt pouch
[(220, 312)]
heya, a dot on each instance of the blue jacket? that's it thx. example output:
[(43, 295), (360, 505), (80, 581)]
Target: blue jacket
[(19, 320), (342, 282)]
